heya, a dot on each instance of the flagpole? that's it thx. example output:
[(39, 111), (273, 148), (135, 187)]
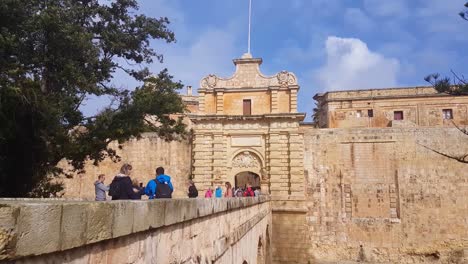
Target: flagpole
[(250, 18)]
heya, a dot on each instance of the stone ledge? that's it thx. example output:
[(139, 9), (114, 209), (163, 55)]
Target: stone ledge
[(30, 227)]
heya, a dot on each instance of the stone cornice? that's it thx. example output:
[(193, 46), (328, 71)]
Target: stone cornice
[(295, 116)]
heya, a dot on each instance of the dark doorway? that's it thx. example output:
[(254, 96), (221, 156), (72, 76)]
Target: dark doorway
[(247, 177)]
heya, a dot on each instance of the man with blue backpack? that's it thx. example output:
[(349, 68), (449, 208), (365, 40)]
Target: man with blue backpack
[(161, 187)]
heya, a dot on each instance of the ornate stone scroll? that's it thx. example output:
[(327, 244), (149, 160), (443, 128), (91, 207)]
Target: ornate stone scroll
[(245, 160), (286, 78), (209, 81)]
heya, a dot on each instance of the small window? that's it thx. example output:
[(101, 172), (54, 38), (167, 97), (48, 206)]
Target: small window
[(247, 105), (447, 114), (370, 113), (398, 115), (359, 113)]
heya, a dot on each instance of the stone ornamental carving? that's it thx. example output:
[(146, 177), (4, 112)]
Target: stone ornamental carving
[(245, 160), (209, 81), (286, 78)]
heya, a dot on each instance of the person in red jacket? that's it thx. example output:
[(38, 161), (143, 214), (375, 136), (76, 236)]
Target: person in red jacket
[(248, 191)]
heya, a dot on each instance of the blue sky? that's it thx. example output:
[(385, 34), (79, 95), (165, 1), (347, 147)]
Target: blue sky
[(328, 44)]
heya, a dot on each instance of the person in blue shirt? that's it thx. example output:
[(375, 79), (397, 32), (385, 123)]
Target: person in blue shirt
[(152, 186), (219, 192)]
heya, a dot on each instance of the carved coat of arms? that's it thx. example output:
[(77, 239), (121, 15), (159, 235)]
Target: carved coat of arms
[(209, 81), (245, 160)]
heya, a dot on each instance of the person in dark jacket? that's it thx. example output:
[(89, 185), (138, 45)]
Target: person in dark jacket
[(121, 187), (192, 190)]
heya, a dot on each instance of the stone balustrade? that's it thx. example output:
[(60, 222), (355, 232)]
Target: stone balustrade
[(157, 231)]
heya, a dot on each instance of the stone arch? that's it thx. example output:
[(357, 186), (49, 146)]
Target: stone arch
[(245, 160), (267, 245), (246, 177), (260, 252)]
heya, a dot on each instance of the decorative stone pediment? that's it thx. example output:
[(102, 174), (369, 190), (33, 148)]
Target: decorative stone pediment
[(246, 159), (248, 75)]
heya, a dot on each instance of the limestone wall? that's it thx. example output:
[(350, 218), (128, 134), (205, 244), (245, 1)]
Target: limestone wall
[(145, 155), (158, 231), (380, 195)]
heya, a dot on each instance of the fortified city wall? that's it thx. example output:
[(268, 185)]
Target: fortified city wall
[(379, 195), (145, 155)]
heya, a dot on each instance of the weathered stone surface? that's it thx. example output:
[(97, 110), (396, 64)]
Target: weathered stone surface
[(137, 231), (38, 228), (73, 225)]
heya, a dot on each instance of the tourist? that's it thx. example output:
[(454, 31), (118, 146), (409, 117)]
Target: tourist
[(192, 190), (239, 192), (219, 192), (161, 187), (257, 191), (100, 188), (121, 187), (248, 191), (228, 192), (138, 188), (209, 193)]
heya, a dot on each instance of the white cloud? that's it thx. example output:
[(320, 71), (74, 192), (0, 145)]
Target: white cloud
[(358, 19), (398, 8), (351, 65)]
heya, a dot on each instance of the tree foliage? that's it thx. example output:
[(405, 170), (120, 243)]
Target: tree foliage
[(54, 55)]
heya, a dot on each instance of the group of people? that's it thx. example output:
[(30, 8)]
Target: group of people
[(247, 191), (123, 187)]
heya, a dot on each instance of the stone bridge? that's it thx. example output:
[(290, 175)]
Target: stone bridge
[(235, 230)]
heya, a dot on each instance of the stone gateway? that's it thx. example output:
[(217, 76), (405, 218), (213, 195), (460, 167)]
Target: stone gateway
[(362, 185)]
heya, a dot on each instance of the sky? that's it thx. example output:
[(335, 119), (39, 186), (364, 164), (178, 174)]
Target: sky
[(329, 44)]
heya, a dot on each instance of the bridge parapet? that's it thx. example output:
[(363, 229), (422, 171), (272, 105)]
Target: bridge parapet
[(162, 231)]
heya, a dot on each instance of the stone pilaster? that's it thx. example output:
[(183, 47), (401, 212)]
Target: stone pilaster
[(274, 101), (296, 164), (203, 160), (219, 102), (293, 101), (219, 157)]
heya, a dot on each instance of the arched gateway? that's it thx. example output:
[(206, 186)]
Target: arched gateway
[(247, 129)]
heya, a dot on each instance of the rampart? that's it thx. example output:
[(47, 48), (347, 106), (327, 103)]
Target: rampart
[(158, 231), (380, 195)]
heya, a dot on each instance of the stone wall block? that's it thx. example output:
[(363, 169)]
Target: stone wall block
[(73, 226), (8, 230), (39, 228), (99, 224), (122, 222), (179, 210)]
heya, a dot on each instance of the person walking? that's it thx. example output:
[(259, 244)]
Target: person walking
[(161, 187), (121, 187), (192, 190), (100, 188), (228, 192)]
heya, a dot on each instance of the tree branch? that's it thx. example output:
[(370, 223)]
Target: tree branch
[(462, 158)]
